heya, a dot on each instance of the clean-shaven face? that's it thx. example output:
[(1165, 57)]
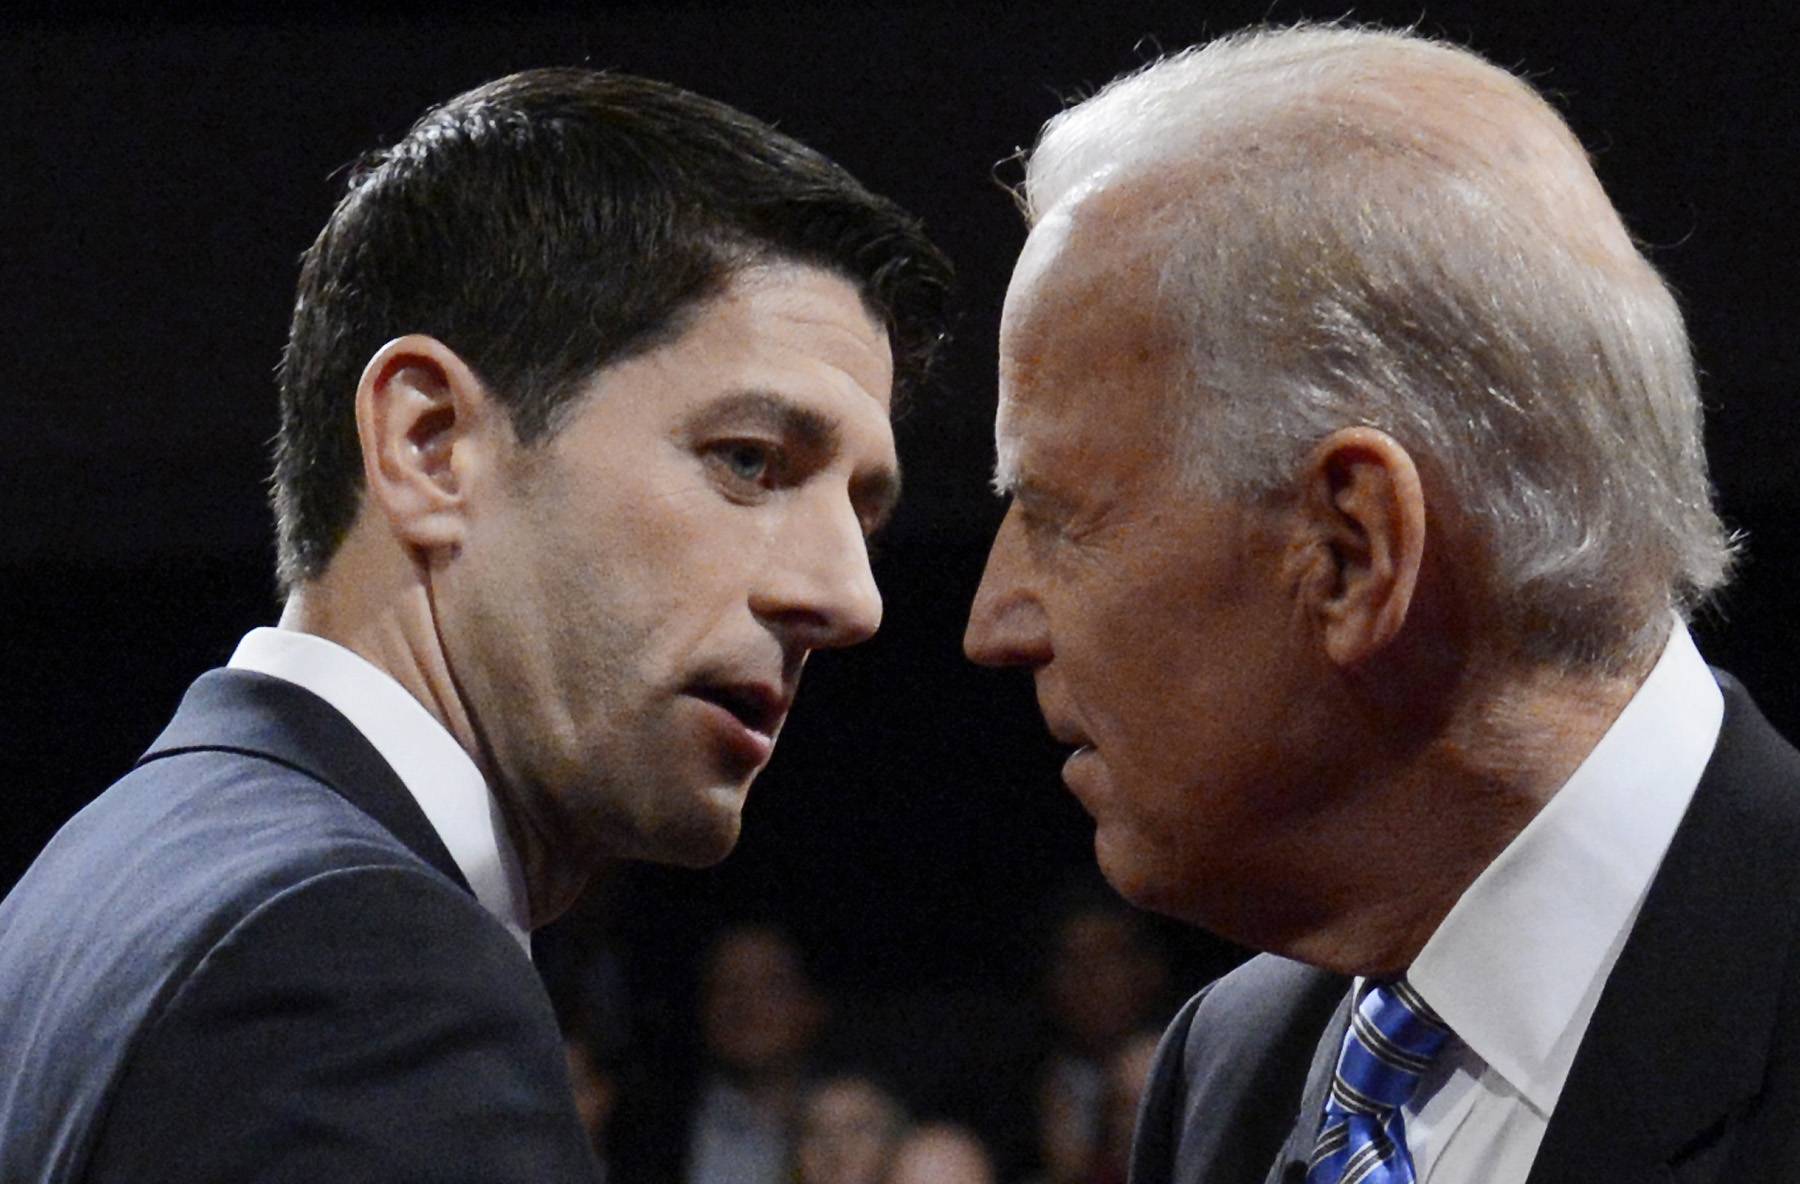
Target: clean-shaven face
[(1153, 619), (629, 616)]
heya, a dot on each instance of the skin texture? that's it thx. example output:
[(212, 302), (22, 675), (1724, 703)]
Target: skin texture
[(613, 622), (1288, 725), (1139, 613)]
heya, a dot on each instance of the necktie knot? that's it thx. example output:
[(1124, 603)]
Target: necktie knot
[(1392, 1040)]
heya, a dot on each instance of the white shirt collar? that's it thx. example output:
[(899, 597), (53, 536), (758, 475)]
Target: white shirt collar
[(1517, 966), (434, 768)]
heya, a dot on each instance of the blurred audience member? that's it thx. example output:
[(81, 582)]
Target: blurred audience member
[(1126, 1075), (847, 1132), (1107, 977), (581, 959), (940, 1153), (596, 1087), (759, 1017), (1065, 1128)]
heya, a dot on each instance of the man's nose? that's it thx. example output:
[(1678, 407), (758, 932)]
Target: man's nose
[(818, 586), (1006, 623)]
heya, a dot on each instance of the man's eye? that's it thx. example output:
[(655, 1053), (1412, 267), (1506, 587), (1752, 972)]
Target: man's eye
[(745, 460)]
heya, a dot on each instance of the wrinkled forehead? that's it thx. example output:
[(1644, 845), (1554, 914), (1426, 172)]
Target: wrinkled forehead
[(1088, 244), (1083, 319)]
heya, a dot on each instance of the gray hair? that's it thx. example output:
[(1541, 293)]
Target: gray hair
[(1362, 227)]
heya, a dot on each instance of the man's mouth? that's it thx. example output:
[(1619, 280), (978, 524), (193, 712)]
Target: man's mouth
[(759, 707)]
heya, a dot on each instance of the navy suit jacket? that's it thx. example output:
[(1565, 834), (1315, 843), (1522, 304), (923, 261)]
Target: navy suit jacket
[(1690, 1068), (252, 959)]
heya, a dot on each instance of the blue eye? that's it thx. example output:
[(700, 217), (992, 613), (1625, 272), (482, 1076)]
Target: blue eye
[(745, 460)]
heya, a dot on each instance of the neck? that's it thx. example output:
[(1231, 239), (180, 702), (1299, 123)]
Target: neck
[(377, 603), (384, 616), (1420, 827)]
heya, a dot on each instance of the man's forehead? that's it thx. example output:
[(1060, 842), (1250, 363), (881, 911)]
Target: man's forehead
[(1090, 260), (1082, 318), (1059, 255), (810, 308)]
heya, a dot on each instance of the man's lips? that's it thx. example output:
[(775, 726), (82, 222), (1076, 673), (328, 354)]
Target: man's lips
[(758, 706), (758, 710), (1064, 732)]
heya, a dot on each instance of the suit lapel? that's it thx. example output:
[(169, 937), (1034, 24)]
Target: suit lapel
[(1230, 1087), (1680, 1037), (245, 712), (1290, 1165)]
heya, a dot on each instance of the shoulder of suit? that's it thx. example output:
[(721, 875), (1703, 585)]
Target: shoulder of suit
[(1241, 1014), (208, 828), (368, 1022), (135, 890), (183, 869)]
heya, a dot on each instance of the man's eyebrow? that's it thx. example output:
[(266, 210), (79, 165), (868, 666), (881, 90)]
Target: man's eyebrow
[(1005, 480), (772, 412), (875, 493)]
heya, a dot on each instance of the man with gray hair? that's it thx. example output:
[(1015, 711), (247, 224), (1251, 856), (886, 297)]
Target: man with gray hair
[(1358, 504)]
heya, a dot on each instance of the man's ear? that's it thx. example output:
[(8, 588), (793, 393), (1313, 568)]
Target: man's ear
[(1365, 509), (420, 415)]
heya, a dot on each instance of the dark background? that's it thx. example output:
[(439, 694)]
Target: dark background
[(157, 182)]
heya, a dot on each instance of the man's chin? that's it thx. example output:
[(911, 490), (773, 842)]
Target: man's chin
[(705, 836), (1131, 874)]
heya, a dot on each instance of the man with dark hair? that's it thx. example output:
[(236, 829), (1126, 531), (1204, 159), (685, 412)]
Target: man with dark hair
[(584, 423)]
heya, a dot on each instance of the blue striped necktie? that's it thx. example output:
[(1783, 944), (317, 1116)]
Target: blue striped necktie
[(1392, 1039)]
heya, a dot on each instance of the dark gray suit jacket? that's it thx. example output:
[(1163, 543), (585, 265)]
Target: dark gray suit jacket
[(252, 959), (1690, 1069)]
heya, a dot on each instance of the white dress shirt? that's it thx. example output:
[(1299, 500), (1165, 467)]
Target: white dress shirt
[(1518, 964), (434, 768)]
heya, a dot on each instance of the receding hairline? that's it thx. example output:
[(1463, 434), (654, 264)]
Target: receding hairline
[(1361, 109), (1312, 86), (1079, 248)]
